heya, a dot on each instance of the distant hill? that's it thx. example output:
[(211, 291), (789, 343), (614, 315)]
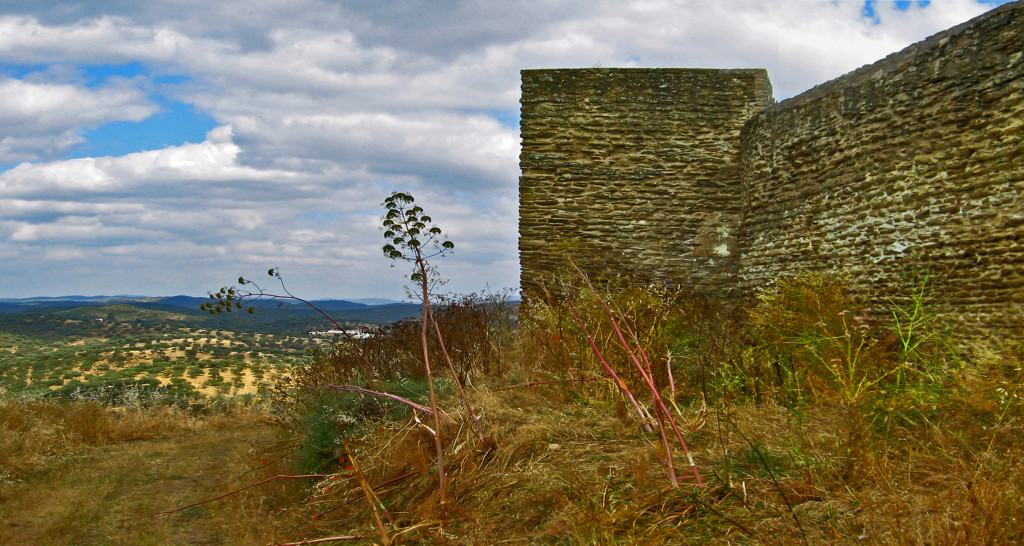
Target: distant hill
[(188, 302), (72, 298), (287, 318), (8, 305), (14, 305), (191, 302), (127, 312), (17, 306), (340, 305), (376, 301)]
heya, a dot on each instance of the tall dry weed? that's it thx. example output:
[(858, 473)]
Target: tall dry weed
[(34, 429)]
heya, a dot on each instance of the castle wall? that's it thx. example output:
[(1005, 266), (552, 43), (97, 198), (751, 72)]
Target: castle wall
[(912, 164), (640, 168)]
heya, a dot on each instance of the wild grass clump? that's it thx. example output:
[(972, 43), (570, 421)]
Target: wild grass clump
[(812, 417), (478, 326), (696, 344), (33, 429)]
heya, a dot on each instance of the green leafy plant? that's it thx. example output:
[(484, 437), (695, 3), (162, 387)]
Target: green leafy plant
[(919, 339), (821, 338)]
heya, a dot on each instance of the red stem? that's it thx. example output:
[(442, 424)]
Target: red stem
[(442, 479), (458, 384), (600, 357), (410, 403), (381, 486), (647, 378)]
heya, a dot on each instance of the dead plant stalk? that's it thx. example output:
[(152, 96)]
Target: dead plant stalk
[(644, 371)]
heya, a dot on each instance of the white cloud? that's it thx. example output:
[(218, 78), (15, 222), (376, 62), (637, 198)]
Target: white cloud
[(43, 120), (15, 208), (103, 39), (72, 228), (323, 108), (475, 150), (209, 162), (58, 105)]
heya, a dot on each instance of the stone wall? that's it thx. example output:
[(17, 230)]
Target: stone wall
[(639, 168), (911, 165)]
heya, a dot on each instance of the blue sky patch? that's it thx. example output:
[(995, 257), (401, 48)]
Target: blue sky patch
[(18, 71), (868, 12), (508, 118), (175, 124), (93, 75), (97, 75)]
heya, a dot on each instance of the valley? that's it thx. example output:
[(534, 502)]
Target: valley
[(103, 349)]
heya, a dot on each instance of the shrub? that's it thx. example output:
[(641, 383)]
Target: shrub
[(817, 341), (474, 327), (697, 340)]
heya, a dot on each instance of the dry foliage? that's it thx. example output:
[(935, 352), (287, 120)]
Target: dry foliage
[(810, 424), (567, 467), (33, 429)]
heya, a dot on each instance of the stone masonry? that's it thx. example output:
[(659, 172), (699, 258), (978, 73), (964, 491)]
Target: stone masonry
[(909, 166), (640, 168)]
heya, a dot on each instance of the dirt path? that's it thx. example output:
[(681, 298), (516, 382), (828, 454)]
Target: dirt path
[(83, 499)]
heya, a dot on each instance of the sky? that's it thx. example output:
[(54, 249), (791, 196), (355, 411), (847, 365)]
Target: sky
[(169, 146)]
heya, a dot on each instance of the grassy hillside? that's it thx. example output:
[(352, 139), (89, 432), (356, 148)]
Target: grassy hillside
[(808, 419)]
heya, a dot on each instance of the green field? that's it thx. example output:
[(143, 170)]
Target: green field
[(99, 350)]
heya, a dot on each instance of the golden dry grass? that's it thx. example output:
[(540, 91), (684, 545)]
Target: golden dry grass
[(89, 496), (935, 459), (31, 430), (569, 467)]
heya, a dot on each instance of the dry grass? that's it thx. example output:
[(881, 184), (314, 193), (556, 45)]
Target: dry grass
[(84, 497), (805, 458), (573, 473), (808, 425), (567, 466), (33, 430)]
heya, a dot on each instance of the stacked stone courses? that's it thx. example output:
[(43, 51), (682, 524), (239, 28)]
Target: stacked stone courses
[(909, 166), (635, 165)]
